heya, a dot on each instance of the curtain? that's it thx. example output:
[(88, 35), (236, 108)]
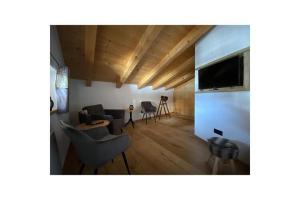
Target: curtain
[(61, 86)]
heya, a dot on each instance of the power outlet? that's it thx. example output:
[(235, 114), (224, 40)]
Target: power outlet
[(216, 131)]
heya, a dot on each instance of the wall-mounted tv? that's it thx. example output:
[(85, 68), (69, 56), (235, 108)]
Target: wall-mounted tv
[(227, 73)]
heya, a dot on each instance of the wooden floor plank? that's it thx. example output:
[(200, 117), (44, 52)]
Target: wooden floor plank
[(163, 148)]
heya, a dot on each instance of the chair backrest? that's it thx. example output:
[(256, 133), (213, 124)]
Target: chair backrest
[(95, 109), (146, 104), (84, 145)]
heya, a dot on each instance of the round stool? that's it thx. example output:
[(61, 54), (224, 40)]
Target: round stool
[(224, 149)]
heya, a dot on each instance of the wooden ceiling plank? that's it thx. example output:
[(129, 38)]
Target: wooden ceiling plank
[(140, 50), (181, 80), (90, 37), (180, 47), (174, 72)]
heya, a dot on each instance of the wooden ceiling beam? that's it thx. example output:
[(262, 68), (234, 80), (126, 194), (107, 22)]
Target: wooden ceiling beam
[(140, 50), (181, 80), (174, 72), (180, 47), (90, 37)]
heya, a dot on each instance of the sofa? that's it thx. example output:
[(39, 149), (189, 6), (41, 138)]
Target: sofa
[(114, 116)]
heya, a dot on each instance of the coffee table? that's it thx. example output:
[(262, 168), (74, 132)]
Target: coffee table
[(95, 124)]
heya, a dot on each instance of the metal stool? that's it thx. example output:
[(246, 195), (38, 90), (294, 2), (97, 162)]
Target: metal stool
[(222, 149)]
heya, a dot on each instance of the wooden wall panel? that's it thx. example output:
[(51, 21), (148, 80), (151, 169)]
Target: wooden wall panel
[(184, 99)]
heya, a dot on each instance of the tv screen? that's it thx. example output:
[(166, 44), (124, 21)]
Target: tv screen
[(227, 73)]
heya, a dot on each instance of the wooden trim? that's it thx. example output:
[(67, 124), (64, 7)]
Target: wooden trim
[(118, 83), (53, 111), (225, 89), (140, 50), (180, 47), (90, 38)]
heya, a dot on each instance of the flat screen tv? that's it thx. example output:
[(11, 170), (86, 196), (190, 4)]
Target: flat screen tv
[(227, 73)]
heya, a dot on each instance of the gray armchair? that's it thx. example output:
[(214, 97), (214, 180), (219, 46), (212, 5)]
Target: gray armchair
[(115, 116), (96, 146), (148, 108)]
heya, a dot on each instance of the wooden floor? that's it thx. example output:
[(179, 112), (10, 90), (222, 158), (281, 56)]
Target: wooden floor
[(163, 148)]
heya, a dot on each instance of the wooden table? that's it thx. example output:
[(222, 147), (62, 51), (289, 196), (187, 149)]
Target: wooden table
[(95, 124)]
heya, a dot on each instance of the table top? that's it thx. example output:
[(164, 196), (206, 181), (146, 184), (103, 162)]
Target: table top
[(95, 124)]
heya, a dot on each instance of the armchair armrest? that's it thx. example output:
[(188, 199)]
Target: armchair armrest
[(116, 113), (111, 145), (112, 138)]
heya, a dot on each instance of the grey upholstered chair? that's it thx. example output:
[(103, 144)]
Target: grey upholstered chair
[(148, 108), (115, 116), (96, 146)]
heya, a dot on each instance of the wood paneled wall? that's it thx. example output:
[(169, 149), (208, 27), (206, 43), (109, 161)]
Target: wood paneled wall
[(184, 99)]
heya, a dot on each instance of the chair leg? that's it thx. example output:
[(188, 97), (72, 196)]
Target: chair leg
[(125, 161), (215, 167), (81, 168), (146, 118), (143, 116), (96, 171), (233, 169), (154, 117)]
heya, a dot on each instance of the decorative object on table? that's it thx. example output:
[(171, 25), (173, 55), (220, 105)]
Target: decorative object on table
[(148, 108), (131, 107), (130, 116), (51, 104), (222, 149), (114, 116), (95, 147), (163, 105)]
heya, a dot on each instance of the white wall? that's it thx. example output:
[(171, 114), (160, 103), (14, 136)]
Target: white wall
[(221, 41), (110, 97), (226, 111)]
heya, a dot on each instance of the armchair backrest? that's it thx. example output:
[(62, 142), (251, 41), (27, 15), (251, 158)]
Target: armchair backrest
[(95, 109), (146, 106), (84, 144)]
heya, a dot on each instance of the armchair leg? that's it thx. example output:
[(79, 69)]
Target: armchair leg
[(96, 171), (125, 161), (81, 168)]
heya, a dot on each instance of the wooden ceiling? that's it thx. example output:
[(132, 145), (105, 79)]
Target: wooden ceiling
[(158, 56)]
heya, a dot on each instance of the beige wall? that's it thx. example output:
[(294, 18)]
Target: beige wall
[(184, 98)]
